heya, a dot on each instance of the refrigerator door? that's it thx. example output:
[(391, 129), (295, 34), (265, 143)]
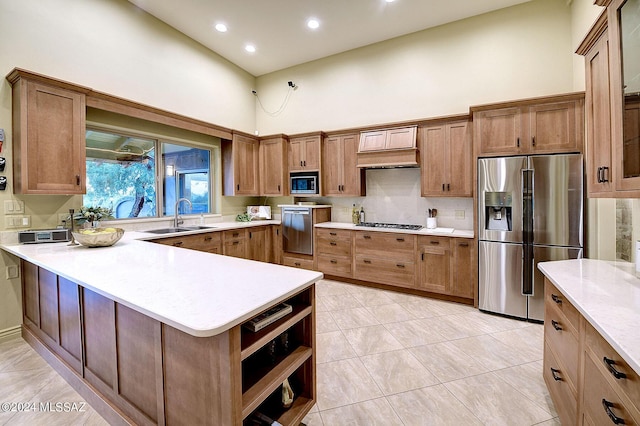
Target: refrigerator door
[(500, 278), (544, 254), (500, 175), (557, 199)]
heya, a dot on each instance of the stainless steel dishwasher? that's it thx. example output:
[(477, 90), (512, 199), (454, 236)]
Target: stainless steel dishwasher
[(297, 230)]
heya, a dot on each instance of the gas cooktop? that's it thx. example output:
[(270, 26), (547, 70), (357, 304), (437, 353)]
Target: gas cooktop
[(389, 225)]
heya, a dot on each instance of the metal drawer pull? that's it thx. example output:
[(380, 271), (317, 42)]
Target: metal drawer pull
[(399, 265), (554, 373), (367, 237), (333, 243), (556, 325), (556, 299), (334, 261), (236, 242), (367, 261), (177, 243), (608, 409), (612, 369), (209, 238), (333, 233), (463, 244), (434, 242), (400, 239), (296, 263)]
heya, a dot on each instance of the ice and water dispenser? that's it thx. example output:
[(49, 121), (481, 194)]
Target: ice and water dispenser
[(498, 210)]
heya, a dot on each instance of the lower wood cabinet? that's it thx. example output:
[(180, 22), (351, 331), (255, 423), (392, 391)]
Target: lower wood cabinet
[(589, 383), (385, 257), (447, 266), (258, 242), (146, 372), (210, 242), (334, 253)]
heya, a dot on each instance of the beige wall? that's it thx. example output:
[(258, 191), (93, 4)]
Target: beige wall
[(518, 52)]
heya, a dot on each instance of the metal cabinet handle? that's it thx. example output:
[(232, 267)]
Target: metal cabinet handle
[(612, 369), (518, 142), (236, 243), (556, 299), (296, 263), (366, 237), (209, 238), (367, 261), (556, 325), (178, 243), (278, 187), (250, 235), (533, 141), (605, 178), (463, 244), (400, 239), (305, 163), (300, 163), (448, 189), (333, 243), (399, 265), (77, 179), (443, 187), (554, 373), (333, 233), (238, 187), (334, 261), (608, 409), (434, 242), (599, 175)]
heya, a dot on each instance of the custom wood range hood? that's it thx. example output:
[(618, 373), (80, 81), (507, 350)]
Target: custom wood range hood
[(388, 148)]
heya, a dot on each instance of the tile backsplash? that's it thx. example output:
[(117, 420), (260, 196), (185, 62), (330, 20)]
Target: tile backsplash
[(393, 195)]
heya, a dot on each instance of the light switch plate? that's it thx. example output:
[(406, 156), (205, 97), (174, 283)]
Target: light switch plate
[(13, 206)]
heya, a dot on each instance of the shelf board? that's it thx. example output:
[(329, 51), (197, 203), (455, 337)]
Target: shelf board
[(252, 342), (294, 415), (255, 395)]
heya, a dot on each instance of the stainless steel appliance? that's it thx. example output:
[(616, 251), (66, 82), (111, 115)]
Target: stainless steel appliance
[(297, 230), (530, 210), (304, 183), (35, 236)]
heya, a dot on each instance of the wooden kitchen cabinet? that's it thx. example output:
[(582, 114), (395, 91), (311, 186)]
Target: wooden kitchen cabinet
[(304, 152), (48, 137), (385, 257), (334, 252), (463, 268), (396, 138), (276, 244), (273, 170), (234, 243), (257, 243), (339, 166), (534, 126), (210, 242), (240, 165), (446, 159)]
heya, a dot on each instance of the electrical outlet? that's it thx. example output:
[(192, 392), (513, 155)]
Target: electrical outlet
[(26, 221), (12, 271), (459, 214)]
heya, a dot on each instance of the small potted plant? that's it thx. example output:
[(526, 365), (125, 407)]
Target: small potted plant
[(90, 216)]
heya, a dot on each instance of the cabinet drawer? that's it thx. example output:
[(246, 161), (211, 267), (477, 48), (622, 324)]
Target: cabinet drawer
[(334, 246), (385, 245), (562, 341), (385, 271), (429, 241), (335, 265), (627, 381), (553, 297), (562, 394), (209, 242), (600, 402), (296, 262), (235, 248), (339, 234), (234, 234)]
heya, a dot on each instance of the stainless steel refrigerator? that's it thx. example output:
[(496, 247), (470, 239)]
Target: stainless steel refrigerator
[(530, 210)]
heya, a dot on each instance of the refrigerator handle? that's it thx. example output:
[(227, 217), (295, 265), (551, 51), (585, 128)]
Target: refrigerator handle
[(527, 231)]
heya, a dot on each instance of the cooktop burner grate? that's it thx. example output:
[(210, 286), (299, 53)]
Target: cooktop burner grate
[(389, 225)]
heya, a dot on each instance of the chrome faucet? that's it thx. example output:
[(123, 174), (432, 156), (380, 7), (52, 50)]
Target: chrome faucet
[(176, 219)]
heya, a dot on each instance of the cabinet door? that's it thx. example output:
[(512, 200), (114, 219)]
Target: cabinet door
[(462, 268), (69, 322), (401, 138), (598, 108), (556, 127), (352, 177), (433, 162), (257, 249), (50, 154), (498, 131), (245, 165), (459, 160), (434, 269), (311, 160), (276, 241), (272, 171), (332, 172), (30, 297), (373, 141)]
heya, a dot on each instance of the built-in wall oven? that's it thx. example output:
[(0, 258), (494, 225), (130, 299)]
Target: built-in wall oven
[(297, 230)]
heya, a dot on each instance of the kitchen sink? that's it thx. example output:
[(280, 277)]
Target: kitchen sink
[(180, 229)]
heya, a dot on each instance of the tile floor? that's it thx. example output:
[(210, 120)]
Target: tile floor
[(384, 358)]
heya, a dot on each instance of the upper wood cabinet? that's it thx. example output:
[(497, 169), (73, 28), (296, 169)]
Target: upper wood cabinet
[(273, 170), (398, 138), (240, 165), (446, 159), (304, 153), (339, 171), (534, 126), (48, 137)]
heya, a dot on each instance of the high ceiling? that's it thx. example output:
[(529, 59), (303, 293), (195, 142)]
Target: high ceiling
[(278, 28)]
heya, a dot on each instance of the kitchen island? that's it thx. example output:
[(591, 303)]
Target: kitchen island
[(592, 343), (153, 334)]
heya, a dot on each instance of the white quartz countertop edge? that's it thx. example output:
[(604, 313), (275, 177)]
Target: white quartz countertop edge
[(607, 294), (202, 294), (458, 233)]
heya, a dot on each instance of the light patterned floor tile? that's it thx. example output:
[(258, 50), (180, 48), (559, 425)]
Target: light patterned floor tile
[(313, 419), (331, 288), (398, 371), (433, 405), (371, 340), (528, 340), (491, 352), (376, 412), (496, 402), (340, 302), (527, 378), (370, 297), (413, 333), (325, 322), (344, 382), (333, 346), (390, 313), (353, 318), (447, 362)]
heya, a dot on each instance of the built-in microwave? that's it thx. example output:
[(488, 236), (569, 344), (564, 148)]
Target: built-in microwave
[(304, 183)]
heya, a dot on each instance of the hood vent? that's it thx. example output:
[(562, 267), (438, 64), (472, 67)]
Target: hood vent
[(388, 148)]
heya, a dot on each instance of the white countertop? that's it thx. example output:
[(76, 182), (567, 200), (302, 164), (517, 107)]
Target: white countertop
[(199, 293), (440, 232), (607, 294), (313, 206)]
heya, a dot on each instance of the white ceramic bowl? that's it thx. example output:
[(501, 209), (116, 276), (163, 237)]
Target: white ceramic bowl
[(98, 237)]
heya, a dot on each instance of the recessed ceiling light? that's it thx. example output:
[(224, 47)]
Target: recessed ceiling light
[(313, 23), (221, 28), (250, 48)]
